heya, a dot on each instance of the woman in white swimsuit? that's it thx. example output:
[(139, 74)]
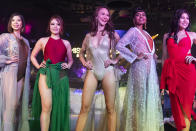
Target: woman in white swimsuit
[(97, 45)]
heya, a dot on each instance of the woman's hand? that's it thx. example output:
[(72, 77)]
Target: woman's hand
[(42, 65), (163, 92), (65, 66), (88, 65), (141, 56), (155, 57), (190, 59), (12, 59), (109, 62)]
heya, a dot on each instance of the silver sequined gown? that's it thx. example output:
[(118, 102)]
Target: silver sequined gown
[(142, 109), (9, 89)]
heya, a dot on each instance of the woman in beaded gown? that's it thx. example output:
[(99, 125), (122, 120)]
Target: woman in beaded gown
[(14, 76), (178, 73), (142, 109), (50, 102), (97, 45)]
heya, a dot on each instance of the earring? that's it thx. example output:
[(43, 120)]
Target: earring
[(145, 26)]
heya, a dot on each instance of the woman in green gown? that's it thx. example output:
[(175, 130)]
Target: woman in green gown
[(52, 84)]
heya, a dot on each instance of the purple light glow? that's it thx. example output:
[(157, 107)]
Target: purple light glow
[(121, 32), (79, 91), (80, 72), (124, 70), (28, 28)]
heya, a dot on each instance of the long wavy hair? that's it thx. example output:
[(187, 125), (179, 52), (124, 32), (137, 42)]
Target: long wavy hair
[(174, 28), (109, 28)]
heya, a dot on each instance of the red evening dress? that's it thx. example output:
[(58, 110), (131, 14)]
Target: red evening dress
[(179, 78)]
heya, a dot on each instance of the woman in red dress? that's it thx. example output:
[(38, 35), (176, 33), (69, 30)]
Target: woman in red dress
[(178, 73)]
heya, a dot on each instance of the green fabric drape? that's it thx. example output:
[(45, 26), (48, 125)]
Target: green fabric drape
[(57, 80)]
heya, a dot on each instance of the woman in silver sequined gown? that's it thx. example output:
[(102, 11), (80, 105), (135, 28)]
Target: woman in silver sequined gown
[(142, 109), (14, 77)]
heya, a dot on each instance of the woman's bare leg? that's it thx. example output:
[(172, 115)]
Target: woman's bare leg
[(109, 88), (46, 101), (187, 122), (90, 85), (20, 85)]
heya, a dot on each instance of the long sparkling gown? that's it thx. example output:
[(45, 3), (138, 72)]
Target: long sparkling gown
[(142, 109), (14, 88), (56, 78), (97, 55), (180, 79)]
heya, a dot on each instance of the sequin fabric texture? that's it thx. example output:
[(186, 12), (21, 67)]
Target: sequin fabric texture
[(142, 109)]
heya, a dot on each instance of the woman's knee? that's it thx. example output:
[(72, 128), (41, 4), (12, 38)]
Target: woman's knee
[(85, 108), (110, 109), (47, 107)]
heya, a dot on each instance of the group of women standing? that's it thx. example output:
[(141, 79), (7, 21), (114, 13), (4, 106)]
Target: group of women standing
[(142, 105)]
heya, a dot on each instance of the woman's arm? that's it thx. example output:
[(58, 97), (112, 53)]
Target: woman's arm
[(36, 49), (85, 63), (123, 42), (193, 37), (82, 50), (189, 58), (69, 54), (117, 37), (4, 59), (113, 60)]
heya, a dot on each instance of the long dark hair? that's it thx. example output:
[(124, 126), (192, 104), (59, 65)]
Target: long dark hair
[(9, 26), (174, 28), (94, 24)]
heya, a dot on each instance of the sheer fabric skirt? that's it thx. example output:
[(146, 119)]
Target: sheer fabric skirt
[(10, 98), (142, 110), (57, 79)]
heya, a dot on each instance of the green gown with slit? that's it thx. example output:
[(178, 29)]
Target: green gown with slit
[(57, 80)]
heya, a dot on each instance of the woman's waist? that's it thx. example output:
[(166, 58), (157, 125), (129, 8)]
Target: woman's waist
[(55, 60), (97, 61), (49, 64), (177, 60), (178, 65), (99, 68)]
